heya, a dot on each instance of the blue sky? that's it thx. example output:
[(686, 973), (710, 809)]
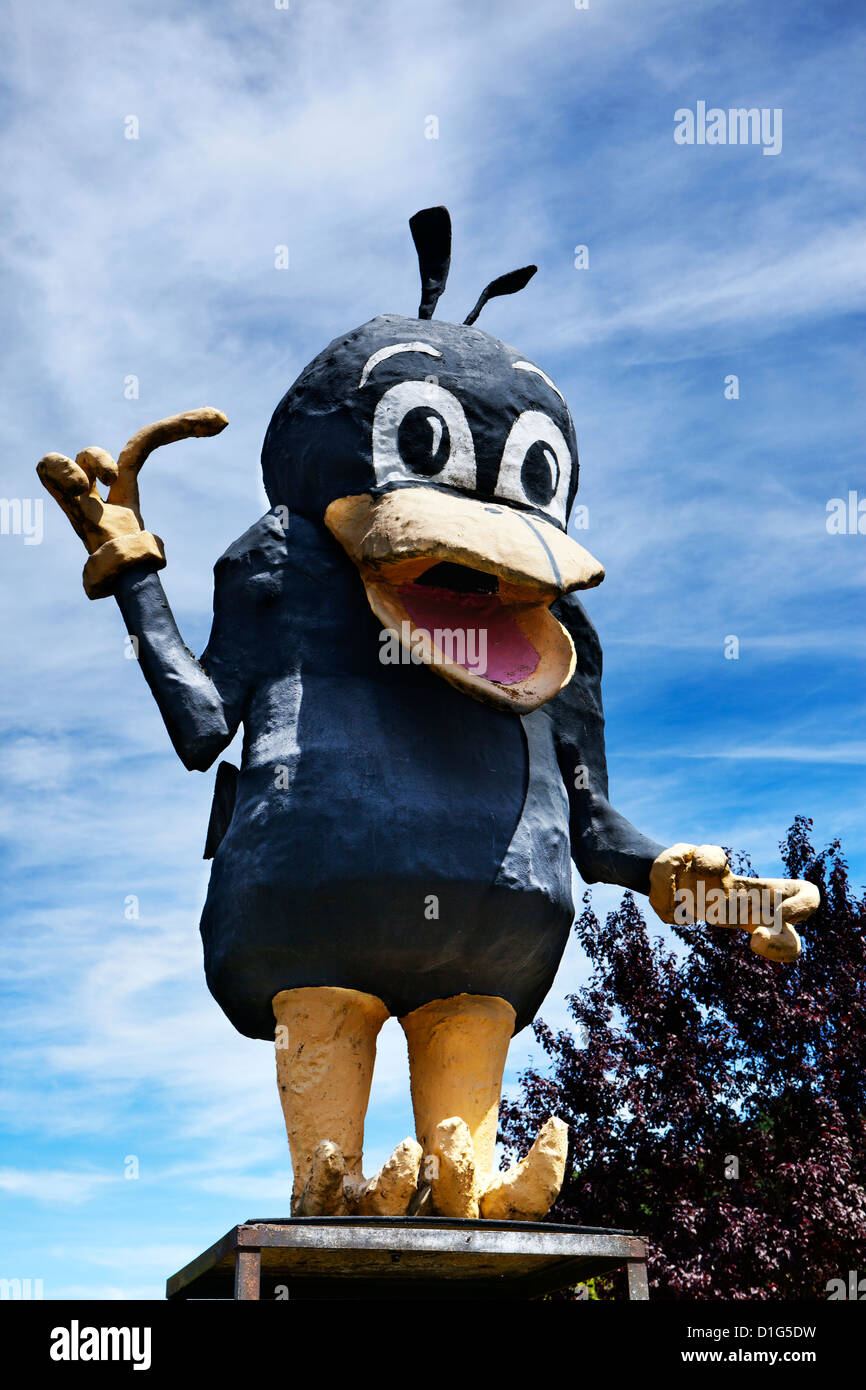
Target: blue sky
[(154, 258)]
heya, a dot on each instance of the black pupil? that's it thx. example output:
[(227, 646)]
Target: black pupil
[(423, 440), (540, 473)]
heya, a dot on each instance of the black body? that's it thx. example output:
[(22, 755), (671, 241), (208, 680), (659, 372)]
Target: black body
[(389, 833)]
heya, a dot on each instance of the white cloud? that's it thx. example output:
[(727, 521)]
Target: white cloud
[(53, 1186), (155, 258)]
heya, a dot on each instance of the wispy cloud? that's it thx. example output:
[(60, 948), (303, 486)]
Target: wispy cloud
[(52, 1185), (846, 753), (153, 258)]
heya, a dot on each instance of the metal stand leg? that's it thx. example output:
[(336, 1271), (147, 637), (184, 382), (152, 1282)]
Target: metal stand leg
[(248, 1274), (638, 1288)]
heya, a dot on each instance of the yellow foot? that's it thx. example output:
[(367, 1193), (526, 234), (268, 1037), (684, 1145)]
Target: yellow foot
[(331, 1191), (323, 1192), (454, 1185), (390, 1191), (527, 1191)]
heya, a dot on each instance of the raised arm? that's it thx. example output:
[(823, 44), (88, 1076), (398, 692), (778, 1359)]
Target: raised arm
[(201, 718), (201, 713)]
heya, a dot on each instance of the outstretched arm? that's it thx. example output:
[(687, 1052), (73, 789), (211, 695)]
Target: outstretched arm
[(605, 846), (685, 882)]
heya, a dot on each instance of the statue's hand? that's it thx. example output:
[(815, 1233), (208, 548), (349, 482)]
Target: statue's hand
[(690, 883), (113, 533), (112, 528)]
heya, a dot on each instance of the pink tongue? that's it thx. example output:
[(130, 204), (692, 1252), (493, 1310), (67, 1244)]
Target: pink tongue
[(494, 645)]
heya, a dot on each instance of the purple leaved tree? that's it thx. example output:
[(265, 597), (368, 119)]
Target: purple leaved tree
[(717, 1101)]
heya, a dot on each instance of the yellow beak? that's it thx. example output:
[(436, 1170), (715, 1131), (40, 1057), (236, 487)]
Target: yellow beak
[(485, 625)]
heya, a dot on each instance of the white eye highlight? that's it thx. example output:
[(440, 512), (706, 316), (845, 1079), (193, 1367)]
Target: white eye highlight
[(420, 431), (536, 465)]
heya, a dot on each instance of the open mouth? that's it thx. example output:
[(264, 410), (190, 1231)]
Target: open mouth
[(466, 587), (466, 620)]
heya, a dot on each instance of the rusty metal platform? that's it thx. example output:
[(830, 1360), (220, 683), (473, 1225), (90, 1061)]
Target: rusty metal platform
[(406, 1258)]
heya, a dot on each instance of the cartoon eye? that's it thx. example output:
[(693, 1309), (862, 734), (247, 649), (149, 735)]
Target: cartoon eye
[(420, 431), (424, 440), (536, 464)]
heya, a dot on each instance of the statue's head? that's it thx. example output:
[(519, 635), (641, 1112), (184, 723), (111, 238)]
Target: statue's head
[(445, 463)]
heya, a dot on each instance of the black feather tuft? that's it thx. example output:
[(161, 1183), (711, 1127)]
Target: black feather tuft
[(504, 284), (431, 233)]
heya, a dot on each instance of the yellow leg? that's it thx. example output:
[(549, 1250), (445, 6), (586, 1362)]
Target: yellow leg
[(326, 1047), (457, 1050)]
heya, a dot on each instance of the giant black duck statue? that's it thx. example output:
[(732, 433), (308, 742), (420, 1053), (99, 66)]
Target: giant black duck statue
[(420, 690)]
